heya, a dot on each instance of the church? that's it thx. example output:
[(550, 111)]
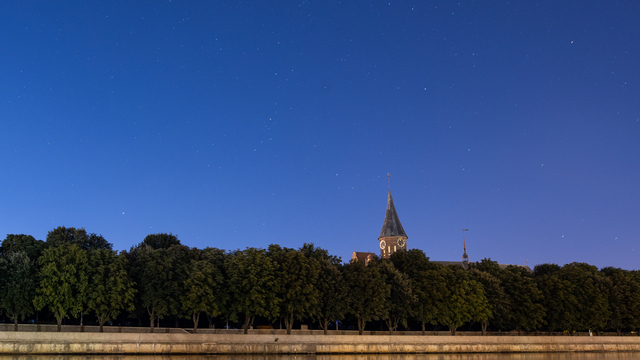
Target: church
[(393, 238)]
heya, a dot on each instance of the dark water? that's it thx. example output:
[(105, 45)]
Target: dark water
[(537, 356)]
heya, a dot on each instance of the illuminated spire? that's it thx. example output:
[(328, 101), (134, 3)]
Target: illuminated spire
[(391, 225), (465, 257)]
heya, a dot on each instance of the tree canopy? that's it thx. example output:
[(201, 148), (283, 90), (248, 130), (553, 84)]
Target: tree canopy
[(63, 281)]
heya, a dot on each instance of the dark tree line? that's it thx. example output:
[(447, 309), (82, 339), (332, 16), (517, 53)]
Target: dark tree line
[(74, 273)]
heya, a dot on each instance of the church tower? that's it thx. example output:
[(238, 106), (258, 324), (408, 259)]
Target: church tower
[(392, 237)]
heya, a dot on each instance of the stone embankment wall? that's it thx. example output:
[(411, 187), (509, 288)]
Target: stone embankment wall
[(168, 343)]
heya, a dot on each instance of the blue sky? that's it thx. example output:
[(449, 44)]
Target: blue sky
[(236, 124)]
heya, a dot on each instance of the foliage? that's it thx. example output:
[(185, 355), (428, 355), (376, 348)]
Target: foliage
[(412, 262), (427, 283), (201, 287), (220, 260), (499, 305), (161, 273), (545, 269), (63, 281), (17, 285), (367, 292), (76, 271), (590, 309), (527, 313), (431, 290), (465, 300), (319, 254), (296, 276), (332, 293), (21, 242), (330, 285), (400, 302), (110, 288), (624, 300), (253, 285), (161, 241), (68, 236), (557, 299)]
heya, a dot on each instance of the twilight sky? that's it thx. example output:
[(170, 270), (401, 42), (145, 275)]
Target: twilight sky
[(236, 124)]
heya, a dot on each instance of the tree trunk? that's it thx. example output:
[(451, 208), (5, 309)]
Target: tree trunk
[(151, 320), (361, 324), (15, 323), (288, 322), (453, 330), (325, 325), (245, 326), (196, 320), (101, 322), (619, 331), (389, 325), (484, 327), (210, 318), (177, 322), (59, 320)]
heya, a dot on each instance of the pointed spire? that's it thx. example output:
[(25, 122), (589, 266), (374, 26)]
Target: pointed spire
[(391, 225), (465, 257)]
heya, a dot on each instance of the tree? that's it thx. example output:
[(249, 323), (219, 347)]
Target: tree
[(201, 289), (412, 262), (430, 287), (161, 241), (64, 281), (110, 288), (499, 305), (180, 257), (557, 297), (253, 285), (68, 236), (161, 273), (316, 253), (220, 260), (21, 242), (524, 296), (296, 276), (427, 283), (465, 300), (590, 309), (367, 292), (332, 290), (18, 285), (332, 294), (624, 300), (401, 299), (545, 269)]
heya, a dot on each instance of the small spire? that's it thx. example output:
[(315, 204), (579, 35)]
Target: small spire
[(465, 257), (389, 180)]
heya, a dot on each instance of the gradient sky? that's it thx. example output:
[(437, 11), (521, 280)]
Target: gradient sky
[(236, 124)]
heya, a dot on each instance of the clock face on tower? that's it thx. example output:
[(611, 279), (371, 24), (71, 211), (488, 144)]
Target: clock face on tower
[(401, 242), (383, 244)]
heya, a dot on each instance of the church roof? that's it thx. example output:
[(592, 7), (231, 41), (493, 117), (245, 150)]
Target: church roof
[(362, 256), (391, 225)]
